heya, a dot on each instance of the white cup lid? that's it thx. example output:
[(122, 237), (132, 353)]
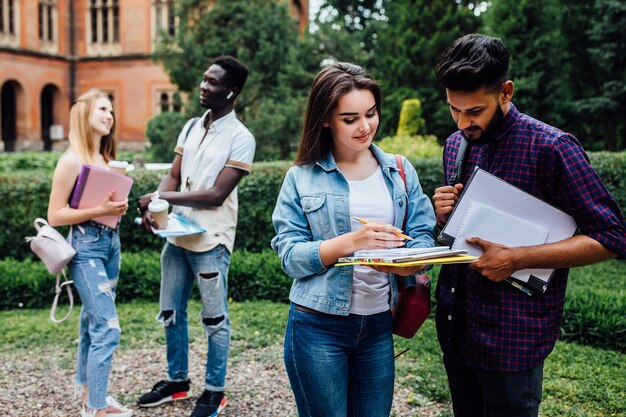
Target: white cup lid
[(118, 164), (158, 205)]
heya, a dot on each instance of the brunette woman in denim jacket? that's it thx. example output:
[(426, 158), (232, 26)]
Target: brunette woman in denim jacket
[(338, 345), (96, 266)]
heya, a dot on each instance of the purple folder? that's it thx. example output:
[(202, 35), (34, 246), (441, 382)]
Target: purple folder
[(94, 185)]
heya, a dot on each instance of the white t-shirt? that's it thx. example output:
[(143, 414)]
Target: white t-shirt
[(370, 200), (228, 143)]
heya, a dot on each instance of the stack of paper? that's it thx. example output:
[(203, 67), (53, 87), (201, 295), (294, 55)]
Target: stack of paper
[(402, 257), (178, 225)]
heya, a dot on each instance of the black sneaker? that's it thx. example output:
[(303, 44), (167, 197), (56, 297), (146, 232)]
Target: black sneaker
[(210, 404), (163, 392)]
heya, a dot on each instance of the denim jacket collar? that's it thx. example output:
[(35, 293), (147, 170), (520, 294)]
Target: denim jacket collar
[(387, 162)]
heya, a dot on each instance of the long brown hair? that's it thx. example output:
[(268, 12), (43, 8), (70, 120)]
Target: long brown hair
[(330, 84), (81, 134)]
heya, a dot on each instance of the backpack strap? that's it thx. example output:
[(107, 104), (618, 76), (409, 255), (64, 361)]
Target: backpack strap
[(193, 122), (58, 288)]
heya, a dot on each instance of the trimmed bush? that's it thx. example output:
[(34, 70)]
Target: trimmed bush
[(596, 317), (27, 194), (592, 316), (413, 147), (252, 276), (162, 131), (411, 121)]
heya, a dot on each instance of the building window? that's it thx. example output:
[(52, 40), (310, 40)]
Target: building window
[(48, 24), (103, 27), (169, 101), (164, 20), (9, 22)]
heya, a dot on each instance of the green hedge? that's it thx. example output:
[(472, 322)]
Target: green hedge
[(27, 193), (593, 315), (252, 276)]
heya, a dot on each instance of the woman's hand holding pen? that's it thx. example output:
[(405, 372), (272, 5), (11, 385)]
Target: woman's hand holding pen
[(376, 235)]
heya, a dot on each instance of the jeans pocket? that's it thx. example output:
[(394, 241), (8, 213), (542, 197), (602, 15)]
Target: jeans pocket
[(90, 236)]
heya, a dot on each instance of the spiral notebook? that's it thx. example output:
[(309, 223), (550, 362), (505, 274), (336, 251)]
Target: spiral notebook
[(513, 214), (487, 223)]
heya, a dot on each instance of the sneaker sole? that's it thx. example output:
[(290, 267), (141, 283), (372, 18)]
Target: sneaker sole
[(223, 404), (176, 397)]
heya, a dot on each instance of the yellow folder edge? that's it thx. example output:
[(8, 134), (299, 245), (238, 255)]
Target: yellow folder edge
[(454, 259)]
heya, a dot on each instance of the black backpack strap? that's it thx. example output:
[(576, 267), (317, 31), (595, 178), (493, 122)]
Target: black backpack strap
[(193, 122)]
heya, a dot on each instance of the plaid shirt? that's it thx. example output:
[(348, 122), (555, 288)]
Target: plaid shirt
[(496, 326)]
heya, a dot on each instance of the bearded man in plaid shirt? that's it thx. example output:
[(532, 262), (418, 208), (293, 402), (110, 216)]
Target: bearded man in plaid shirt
[(495, 337)]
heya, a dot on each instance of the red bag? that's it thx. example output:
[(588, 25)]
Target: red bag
[(413, 305)]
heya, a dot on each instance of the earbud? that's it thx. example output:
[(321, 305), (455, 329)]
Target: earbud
[(229, 96)]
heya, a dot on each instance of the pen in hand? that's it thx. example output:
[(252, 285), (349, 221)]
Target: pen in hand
[(360, 220)]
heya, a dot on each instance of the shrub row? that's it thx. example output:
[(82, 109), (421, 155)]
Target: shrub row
[(252, 276), (27, 194), (592, 316)]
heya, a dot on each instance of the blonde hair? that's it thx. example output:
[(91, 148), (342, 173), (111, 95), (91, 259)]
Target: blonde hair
[(81, 133)]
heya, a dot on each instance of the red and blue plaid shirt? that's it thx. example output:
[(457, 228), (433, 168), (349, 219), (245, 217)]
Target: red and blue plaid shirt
[(496, 326)]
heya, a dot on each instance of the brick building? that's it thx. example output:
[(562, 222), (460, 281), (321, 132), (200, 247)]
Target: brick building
[(51, 51)]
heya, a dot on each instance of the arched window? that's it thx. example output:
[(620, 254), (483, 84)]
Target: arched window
[(165, 102)]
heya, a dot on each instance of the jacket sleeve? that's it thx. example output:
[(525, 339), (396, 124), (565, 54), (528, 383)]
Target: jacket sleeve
[(299, 254)]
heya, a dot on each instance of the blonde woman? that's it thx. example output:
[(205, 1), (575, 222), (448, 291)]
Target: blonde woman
[(95, 268)]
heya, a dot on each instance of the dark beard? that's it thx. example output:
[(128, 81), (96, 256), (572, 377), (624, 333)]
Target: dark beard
[(493, 125)]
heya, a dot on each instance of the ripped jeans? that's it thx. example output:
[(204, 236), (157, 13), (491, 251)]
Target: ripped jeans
[(180, 268), (95, 270)]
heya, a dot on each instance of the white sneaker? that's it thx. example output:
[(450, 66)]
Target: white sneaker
[(86, 412), (115, 409)]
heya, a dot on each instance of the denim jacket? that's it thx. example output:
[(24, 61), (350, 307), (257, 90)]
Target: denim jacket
[(313, 205)]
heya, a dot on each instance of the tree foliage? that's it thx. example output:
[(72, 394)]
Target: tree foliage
[(531, 31), (410, 42), (606, 56), (262, 35)]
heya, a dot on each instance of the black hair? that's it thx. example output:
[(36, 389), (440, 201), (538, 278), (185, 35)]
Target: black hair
[(236, 72), (472, 62)]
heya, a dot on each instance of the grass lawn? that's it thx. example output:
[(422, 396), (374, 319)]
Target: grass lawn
[(579, 380)]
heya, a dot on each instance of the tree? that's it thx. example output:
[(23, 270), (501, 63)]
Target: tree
[(607, 52), (409, 44), (262, 35), (531, 30)]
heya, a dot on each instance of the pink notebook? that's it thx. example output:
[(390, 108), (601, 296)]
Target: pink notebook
[(94, 185)]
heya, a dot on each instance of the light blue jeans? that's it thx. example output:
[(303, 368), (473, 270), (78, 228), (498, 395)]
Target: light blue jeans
[(340, 366), (180, 268), (95, 270)]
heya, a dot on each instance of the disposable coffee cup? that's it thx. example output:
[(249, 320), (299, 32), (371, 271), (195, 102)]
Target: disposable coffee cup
[(118, 166), (158, 209)]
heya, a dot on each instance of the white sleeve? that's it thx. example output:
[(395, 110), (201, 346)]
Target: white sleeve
[(242, 152)]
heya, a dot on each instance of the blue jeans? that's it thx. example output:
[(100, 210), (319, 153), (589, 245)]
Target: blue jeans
[(340, 365), (180, 268), (95, 270)]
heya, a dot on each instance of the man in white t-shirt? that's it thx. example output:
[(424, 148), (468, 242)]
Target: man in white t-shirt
[(213, 153)]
